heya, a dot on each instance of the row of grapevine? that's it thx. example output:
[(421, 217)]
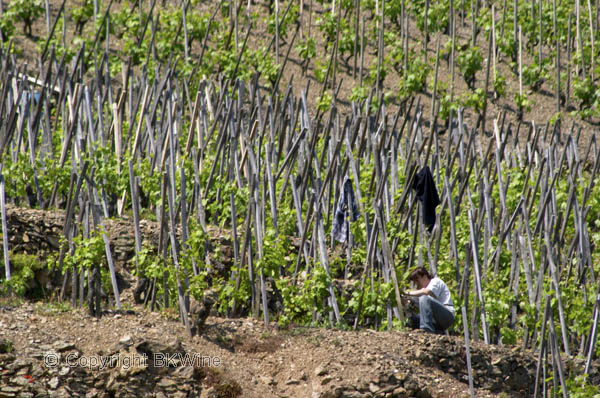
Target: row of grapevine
[(512, 54), (517, 227), (513, 234)]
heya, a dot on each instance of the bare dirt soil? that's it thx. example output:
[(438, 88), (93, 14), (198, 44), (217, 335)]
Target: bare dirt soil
[(345, 78), (297, 362)]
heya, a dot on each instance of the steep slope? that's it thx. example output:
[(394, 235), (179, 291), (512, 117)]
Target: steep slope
[(50, 353)]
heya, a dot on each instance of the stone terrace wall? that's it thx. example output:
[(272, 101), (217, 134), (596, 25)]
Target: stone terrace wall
[(38, 232)]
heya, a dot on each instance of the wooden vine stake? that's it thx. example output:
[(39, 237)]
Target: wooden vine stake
[(579, 38), (4, 230), (593, 57), (557, 66), (593, 335), (520, 56), (468, 350), (569, 48), (277, 32)]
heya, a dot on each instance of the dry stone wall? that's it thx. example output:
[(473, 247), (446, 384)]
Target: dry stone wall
[(39, 232), (47, 371)]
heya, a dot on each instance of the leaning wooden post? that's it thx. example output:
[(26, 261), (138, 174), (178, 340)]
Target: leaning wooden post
[(388, 258), (569, 49), (109, 259), (4, 230), (555, 282), (183, 308), (593, 335), (468, 350), (541, 350), (325, 259), (486, 333), (557, 60), (111, 267), (556, 357), (136, 214), (453, 240)]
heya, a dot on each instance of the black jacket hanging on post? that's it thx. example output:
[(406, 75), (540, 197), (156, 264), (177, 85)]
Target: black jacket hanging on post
[(427, 194), (346, 204)]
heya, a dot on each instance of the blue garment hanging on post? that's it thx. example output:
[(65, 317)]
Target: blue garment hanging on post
[(346, 202), (428, 195)]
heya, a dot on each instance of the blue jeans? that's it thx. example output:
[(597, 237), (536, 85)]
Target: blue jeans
[(434, 316)]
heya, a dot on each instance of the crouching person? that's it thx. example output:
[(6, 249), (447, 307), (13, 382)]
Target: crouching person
[(436, 311)]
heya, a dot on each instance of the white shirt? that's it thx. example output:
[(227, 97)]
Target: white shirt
[(441, 293)]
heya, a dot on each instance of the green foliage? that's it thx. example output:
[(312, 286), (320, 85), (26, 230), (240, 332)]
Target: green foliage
[(404, 242), (167, 42), (22, 273), (498, 300), (19, 174), (52, 307), (306, 49), (324, 102), (578, 387), (534, 75), (197, 26), (284, 23), (346, 39), (447, 105), (327, 24), (523, 103), (437, 15), (359, 93), (374, 299), (194, 252), (149, 182), (126, 23), (88, 252), (25, 11), (588, 95), (414, 80), (7, 26), (276, 248), (147, 263), (296, 306), (107, 171), (85, 254), (220, 211), (475, 100), (82, 14), (230, 293), (500, 86), (576, 308), (507, 46), (321, 70), (371, 77), (395, 55), (265, 65), (470, 61), (305, 301), (308, 296)]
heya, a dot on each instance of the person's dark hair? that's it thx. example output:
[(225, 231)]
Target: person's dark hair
[(419, 271)]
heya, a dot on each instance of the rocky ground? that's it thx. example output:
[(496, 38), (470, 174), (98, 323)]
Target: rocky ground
[(47, 352), (48, 349)]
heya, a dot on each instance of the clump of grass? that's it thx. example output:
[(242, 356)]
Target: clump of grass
[(5, 346)]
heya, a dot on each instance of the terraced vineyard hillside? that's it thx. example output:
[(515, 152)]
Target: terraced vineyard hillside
[(194, 158)]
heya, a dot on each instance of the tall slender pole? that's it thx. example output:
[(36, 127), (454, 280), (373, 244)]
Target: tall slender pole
[(4, 230)]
